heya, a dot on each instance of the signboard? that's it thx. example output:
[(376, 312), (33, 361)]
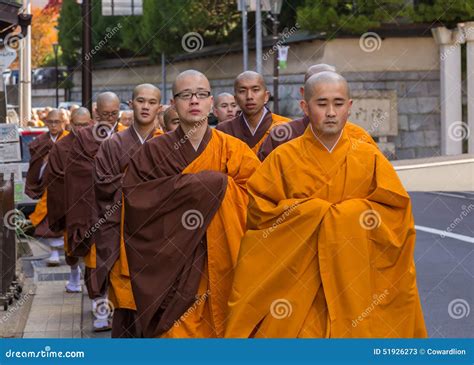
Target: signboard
[(10, 152), (122, 7), (9, 133), (7, 56), (375, 111)]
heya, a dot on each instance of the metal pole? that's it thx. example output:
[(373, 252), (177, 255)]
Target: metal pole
[(258, 36), (57, 76), (245, 44), (25, 72), (275, 63), (163, 77), (86, 55)]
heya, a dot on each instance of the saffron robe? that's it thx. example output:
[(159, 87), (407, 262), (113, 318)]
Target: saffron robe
[(329, 247)]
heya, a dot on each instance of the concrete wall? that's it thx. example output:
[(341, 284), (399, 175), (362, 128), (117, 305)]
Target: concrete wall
[(408, 65)]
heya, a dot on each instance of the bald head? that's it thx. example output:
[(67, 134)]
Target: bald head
[(80, 112), (108, 107), (80, 118), (315, 69), (222, 96), (315, 82), (249, 76), (149, 87), (55, 122), (186, 75)]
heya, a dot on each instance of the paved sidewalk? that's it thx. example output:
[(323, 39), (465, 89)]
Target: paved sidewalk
[(46, 310)]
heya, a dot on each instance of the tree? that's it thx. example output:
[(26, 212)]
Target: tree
[(69, 32)]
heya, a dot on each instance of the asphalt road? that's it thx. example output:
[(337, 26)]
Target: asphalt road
[(445, 261)]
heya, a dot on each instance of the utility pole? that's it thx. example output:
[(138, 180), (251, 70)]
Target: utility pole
[(86, 55)]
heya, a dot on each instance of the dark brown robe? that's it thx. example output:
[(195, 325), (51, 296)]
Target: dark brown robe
[(111, 162), (294, 129), (238, 128), (39, 149), (81, 212), (165, 259)]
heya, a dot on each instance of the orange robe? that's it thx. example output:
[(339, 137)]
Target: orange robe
[(329, 247), (166, 182)]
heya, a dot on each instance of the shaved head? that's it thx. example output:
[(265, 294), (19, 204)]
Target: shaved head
[(186, 74), (315, 69), (220, 96), (54, 114), (107, 97), (140, 87), (249, 76), (326, 77), (80, 112), (55, 121)]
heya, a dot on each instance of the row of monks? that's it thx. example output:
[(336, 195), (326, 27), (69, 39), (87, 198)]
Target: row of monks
[(260, 227)]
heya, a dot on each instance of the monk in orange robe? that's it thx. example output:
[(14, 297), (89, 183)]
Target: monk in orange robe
[(111, 162), (185, 208), (288, 131), (81, 215), (330, 236), (54, 178), (35, 186), (256, 121)]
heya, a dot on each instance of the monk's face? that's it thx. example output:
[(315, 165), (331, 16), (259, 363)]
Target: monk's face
[(251, 95), (226, 108), (55, 122), (108, 111), (126, 118), (146, 106), (171, 121), (80, 121), (328, 108), (193, 100)]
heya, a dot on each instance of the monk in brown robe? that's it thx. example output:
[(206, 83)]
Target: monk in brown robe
[(81, 215), (330, 236), (287, 132), (256, 121), (54, 178), (185, 208), (170, 119), (111, 162), (35, 186)]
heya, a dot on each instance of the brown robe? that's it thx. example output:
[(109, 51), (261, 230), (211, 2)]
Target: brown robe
[(157, 195), (238, 128), (54, 178), (81, 213), (39, 149), (111, 162), (296, 128)]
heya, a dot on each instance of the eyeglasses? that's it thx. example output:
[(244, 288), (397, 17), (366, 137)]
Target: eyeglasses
[(188, 95)]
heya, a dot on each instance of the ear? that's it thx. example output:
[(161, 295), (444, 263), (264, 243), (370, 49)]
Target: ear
[(304, 107), (267, 96), (302, 91), (350, 107)]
